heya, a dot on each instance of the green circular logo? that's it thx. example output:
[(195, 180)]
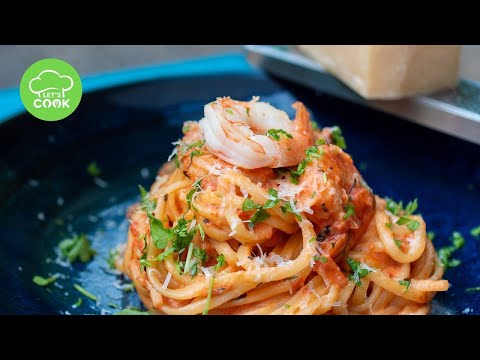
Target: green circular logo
[(51, 89)]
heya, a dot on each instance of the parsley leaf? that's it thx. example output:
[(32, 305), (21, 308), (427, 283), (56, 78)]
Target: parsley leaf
[(411, 223), (398, 243), (475, 231), (85, 292), (249, 204), (209, 296), (446, 252), (259, 216), (185, 129), (359, 271), (78, 303), (131, 311), (220, 262), (270, 203), (411, 207), (41, 281), (394, 207), (93, 169), (196, 144), (164, 254), (146, 203), (112, 256), (202, 233), (275, 134), (349, 210), (143, 260), (190, 198), (337, 137), (183, 237), (311, 152), (405, 282), (287, 208), (397, 208), (76, 248), (160, 235)]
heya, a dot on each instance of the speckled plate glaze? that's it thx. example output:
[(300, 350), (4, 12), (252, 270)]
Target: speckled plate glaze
[(127, 124)]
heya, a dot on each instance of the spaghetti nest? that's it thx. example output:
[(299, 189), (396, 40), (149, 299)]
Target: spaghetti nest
[(214, 237)]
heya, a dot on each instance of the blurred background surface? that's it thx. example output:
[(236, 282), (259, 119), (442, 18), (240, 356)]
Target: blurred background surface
[(91, 59)]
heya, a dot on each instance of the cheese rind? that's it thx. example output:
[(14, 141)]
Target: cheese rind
[(390, 71)]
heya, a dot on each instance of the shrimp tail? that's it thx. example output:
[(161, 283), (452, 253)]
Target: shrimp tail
[(302, 121)]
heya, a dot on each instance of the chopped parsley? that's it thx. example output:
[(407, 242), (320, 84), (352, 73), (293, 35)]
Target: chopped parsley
[(349, 210), (398, 243), (132, 311), (41, 281), (196, 144), (431, 235), (397, 208), (146, 203), (475, 231), (311, 153), (472, 289), (200, 230), (93, 169), (220, 262), (78, 303), (164, 254), (446, 252), (143, 260), (182, 237), (195, 153), (337, 137), (230, 111), (160, 235), (112, 256), (405, 282), (388, 225), (195, 257), (276, 133), (85, 292), (260, 213), (76, 248), (209, 296), (259, 216), (190, 199), (287, 208), (319, 142), (359, 271), (411, 223), (273, 200), (185, 129), (323, 259), (287, 306)]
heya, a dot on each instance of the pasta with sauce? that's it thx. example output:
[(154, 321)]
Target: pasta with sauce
[(259, 214)]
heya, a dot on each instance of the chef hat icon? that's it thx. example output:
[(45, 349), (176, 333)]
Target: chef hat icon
[(50, 80)]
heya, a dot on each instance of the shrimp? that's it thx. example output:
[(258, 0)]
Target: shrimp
[(237, 132)]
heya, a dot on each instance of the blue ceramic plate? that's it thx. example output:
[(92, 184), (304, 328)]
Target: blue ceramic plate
[(126, 124)]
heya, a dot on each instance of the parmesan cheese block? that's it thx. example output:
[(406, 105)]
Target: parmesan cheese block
[(390, 71)]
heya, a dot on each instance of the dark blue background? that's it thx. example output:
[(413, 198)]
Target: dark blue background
[(126, 129)]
